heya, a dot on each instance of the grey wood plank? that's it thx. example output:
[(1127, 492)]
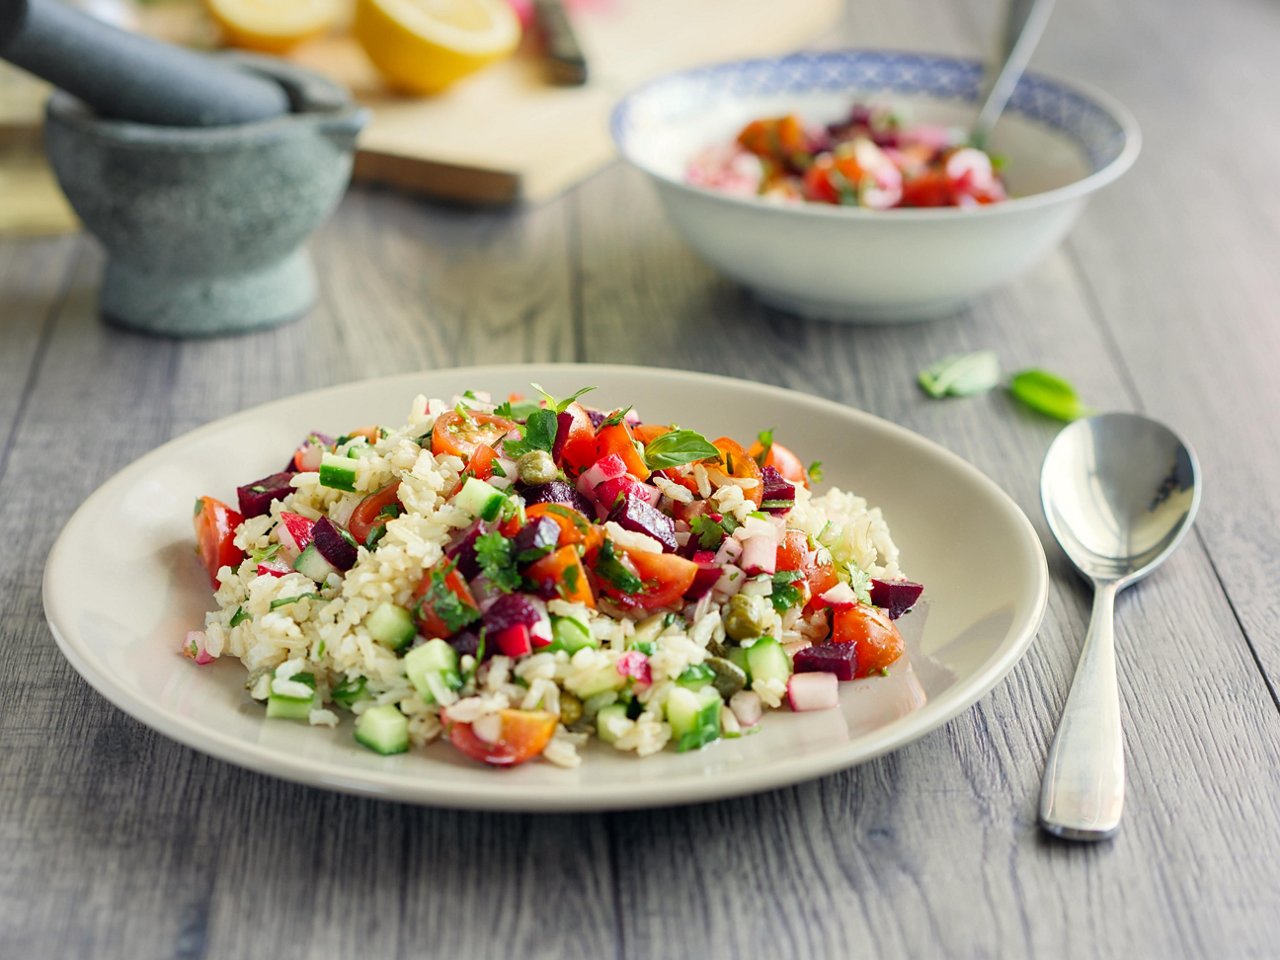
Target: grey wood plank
[(934, 850), (1181, 259), (121, 843)]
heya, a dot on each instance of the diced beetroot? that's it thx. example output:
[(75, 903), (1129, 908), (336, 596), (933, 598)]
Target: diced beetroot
[(295, 534), (606, 468), (635, 665), (462, 549), (777, 489), (514, 641), (812, 691), (635, 513), (536, 539), (609, 492), (706, 577), (255, 498), (274, 568), (335, 544), (519, 609), (838, 658), (564, 423), (467, 643), (484, 591), (557, 491), (896, 596)]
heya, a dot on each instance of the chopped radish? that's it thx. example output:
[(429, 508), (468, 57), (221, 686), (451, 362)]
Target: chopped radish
[(606, 468), (193, 648), (839, 596), (759, 554), (813, 691), (635, 664), (488, 728), (514, 641), (747, 707), (295, 534), (274, 568)]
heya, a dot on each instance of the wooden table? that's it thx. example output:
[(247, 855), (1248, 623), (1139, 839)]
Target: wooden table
[(116, 842)]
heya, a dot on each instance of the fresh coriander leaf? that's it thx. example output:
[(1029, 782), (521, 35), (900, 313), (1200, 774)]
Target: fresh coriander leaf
[(860, 581), (239, 617), (815, 471), (785, 596), (348, 692), (285, 601), (497, 468), (539, 434), (517, 410), (1047, 393), (709, 533), (611, 569), (470, 394), (644, 646), (494, 555), (961, 375), (453, 613), (615, 418), (560, 406), (678, 447)]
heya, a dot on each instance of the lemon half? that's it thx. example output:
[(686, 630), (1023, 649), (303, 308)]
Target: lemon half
[(274, 26), (422, 46)]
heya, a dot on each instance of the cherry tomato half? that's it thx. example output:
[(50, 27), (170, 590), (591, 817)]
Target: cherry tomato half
[(523, 735), (781, 459), (215, 524), (430, 621), (878, 642), (459, 434), (368, 512)]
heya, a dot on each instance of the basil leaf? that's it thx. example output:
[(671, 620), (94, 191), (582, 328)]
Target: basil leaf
[(539, 434), (961, 375), (678, 447), (560, 406), (1046, 393)]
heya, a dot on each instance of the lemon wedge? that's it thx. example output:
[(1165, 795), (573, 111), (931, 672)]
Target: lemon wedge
[(274, 26), (422, 46)]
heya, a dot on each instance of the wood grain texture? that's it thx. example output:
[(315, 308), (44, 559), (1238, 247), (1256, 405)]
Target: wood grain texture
[(119, 843)]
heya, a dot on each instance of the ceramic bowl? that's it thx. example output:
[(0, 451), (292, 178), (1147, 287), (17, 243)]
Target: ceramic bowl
[(1061, 143)]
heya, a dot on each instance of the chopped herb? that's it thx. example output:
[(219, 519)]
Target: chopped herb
[(697, 675), (199, 506), (348, 692), (1047, 393), (709, 533), (677, 447), (494, 555), (884, 671), (497, 468), (560, 406), (258, 488), (470, 394), (462, 410), (815, 471), (860, 581), (571, 580), (480, 647), (573, 516), (611, 569), (961, 375), (645, 646), (285, 601), (777, 504), (785, 593), (346, 535), (758, 515), (446, 604), (730, 523), (391, 511), (517, 410), (239, 617), (615, 418), (375, 534), (265, 554), (766, 443), (539, 434)]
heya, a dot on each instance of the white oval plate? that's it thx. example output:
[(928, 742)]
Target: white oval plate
[(122, 586)]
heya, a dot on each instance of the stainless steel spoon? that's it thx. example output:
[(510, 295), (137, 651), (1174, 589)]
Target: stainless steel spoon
[(1024, 23), (1119, 492)]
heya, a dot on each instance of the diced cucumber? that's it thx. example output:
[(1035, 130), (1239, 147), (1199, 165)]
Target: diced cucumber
[(605, 678), (570, 634), (337, 472), (696, 677), (383, 730), (615, 711), (289, 708), (434, 665), (738, 657), (480, 499), (311, 563), (391, 625), (694, 716), (768, 661)]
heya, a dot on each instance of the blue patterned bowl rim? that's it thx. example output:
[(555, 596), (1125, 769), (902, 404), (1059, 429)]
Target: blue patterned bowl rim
[(1104, 130)]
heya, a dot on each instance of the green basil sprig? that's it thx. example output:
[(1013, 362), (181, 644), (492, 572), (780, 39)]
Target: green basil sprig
[(678, 447)]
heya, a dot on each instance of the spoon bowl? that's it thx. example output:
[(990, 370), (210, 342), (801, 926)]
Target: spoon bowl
[(1120, 492)]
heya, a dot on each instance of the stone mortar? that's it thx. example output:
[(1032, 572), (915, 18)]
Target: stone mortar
[(205, 227)]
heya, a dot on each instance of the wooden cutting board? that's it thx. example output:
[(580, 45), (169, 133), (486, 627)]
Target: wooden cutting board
[(505, 134)]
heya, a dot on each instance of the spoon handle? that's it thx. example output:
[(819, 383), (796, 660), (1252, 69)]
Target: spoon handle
[(1083, 791), (1024, 23)]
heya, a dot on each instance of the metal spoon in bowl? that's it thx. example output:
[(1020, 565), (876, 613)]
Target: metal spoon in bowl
[(1119, 492), (1024, 23)]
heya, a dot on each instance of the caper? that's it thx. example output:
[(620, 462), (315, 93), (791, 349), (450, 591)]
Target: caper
[(571, 708), (729, 677), (745, 617), (717, 649), (536, 467)]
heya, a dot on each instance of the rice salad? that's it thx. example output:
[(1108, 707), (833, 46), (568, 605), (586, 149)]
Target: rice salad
[(517, 578)]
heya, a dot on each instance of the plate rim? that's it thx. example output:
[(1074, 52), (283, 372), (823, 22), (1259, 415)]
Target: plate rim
[(539, 798)]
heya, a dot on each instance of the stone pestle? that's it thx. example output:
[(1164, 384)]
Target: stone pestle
[(125, 76)]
